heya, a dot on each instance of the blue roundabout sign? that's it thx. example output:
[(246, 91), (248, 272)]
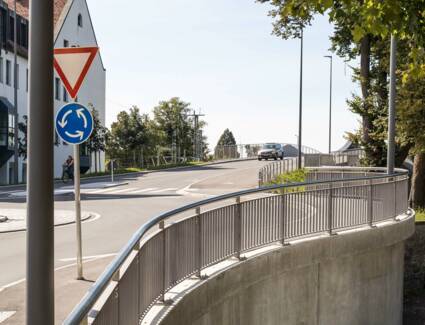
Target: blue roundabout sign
[(74, 123)]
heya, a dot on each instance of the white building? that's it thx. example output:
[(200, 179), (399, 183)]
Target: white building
[(73, 27)]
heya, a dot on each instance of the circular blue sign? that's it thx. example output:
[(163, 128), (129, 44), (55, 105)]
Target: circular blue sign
[(74, 123)]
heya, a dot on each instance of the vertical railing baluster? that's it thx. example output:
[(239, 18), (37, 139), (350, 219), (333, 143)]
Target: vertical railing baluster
[(370, 204), (330, 209), (238, 227), (164, 262), (198, 242)]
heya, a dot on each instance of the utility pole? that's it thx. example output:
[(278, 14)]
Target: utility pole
[(197, 141), (40, 234), (330, 104), (300, 118), (391, 110), (15, 100)]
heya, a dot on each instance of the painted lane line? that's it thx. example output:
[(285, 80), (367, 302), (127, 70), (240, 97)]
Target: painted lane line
[(164, 190), (72, 259), (12, 284)]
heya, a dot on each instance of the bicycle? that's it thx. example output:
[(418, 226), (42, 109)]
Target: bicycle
[(66, 174)]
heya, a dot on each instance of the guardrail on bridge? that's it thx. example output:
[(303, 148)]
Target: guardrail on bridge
[(226, 226)]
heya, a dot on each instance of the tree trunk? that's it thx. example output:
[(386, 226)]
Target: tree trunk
[(365, 83), (417, 195)]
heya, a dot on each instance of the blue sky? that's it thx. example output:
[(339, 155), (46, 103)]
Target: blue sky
[(221, 57)]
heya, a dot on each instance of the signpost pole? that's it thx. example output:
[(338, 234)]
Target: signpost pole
[(78, 211)]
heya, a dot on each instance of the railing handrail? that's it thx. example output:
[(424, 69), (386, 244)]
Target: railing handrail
[(83, 308)]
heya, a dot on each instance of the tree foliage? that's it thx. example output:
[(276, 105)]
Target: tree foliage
[(136, 136), (226, 139)]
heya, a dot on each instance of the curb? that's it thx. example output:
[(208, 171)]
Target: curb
[(91, 215)]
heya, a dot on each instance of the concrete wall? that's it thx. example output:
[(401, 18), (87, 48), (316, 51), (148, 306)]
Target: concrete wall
[(351, 278)]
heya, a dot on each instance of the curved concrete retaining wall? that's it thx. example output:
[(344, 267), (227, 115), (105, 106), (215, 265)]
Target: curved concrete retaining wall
[(350, 278)]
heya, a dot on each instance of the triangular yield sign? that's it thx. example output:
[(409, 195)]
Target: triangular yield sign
[(72, 65)]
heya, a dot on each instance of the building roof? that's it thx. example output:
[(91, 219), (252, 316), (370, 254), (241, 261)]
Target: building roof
[(22, 8)]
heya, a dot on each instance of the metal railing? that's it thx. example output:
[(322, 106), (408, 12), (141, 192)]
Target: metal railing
[(269, 172), (152, 262)]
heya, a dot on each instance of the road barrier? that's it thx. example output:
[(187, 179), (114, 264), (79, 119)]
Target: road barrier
[(227, 226)]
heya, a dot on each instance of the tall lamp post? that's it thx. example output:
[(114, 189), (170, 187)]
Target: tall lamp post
[(330, 103), (391, 110), (301, 103)]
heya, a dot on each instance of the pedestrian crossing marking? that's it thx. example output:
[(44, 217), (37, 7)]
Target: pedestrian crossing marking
[(143, 190), (164, 190)]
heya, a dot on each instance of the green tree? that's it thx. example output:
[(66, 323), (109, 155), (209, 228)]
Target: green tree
[(226, 139), (174, 119), (97, 141)]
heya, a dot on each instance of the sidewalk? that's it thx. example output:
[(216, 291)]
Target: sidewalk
[(68, 292)]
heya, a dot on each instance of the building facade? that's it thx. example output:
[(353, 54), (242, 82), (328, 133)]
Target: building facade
[(73, 27)]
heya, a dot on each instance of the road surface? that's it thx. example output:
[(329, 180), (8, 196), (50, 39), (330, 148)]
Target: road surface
[(122, 210)]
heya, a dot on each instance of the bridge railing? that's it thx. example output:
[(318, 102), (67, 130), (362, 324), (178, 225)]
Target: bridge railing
[(179, 244), (269, 172)]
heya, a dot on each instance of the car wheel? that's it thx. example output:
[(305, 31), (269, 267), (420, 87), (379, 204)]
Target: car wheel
[(259, 159), (266, 158), (275, 158)]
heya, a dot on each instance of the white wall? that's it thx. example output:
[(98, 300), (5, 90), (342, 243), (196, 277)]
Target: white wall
[(93, 88)]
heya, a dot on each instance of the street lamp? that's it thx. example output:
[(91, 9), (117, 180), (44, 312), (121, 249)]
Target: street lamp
[(391, 108), (330, 102), (15, 101), (301, 102)]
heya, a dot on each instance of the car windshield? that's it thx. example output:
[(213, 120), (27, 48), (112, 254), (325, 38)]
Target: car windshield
[(269, 146)]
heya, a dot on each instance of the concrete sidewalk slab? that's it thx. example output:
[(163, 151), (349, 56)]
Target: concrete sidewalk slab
[(16, 218)]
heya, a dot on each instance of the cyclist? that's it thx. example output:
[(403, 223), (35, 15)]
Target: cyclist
[(69, 167)]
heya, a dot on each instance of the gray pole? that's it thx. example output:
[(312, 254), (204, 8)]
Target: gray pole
[(15, 99), (78, 211), (300, 118), (40, 235), (330, 103), (391, 111)]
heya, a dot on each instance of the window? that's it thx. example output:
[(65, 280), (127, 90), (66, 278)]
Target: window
[(24, 34), (8, 72), (57, 89), (1, 70), (65, 43), (65, 95), (80, 20)]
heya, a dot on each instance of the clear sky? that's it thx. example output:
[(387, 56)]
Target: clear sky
[(221, 57)]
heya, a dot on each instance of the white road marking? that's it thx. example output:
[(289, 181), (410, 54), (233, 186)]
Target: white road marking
[(105, 190), (122, 191), (72, 259), (164, 190), (143, 190), (4, 315), (12, 284)]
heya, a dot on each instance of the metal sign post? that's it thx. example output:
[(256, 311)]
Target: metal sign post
[(78, 211), (74, 124)]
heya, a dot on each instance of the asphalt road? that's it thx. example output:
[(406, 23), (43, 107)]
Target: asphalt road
[(122, 210)]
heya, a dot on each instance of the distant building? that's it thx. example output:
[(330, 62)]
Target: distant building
[(73, 27)]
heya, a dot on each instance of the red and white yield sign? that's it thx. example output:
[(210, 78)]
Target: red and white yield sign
[(72, 65)]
